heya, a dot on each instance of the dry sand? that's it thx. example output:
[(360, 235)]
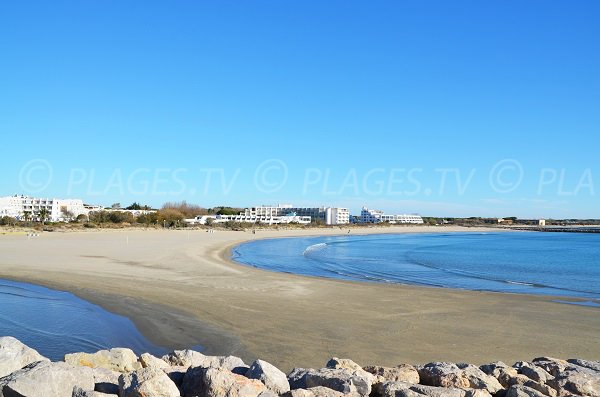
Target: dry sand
[(180, 289)]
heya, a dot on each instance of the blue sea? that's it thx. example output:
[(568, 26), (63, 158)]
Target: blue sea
[(55, 322), (561, 264)]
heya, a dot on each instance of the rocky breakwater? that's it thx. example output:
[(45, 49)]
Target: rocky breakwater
[(187, 373)]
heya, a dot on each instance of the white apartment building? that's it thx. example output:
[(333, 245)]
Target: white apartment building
[(242, 218), (376, 216), (329, 215), (24, 207)]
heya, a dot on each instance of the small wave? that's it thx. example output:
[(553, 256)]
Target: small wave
[(314, 247), (519, 283)]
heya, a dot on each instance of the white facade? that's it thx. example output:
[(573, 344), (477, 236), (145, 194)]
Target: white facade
[(375, 216), (241, 218), (24, 207), (329, 215)]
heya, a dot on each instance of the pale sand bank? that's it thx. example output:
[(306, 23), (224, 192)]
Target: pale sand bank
[(180, 289)]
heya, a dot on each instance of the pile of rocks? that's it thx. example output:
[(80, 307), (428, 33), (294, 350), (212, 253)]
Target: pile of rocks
[(187, 373)]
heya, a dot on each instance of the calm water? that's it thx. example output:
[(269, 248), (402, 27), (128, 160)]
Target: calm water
[(566, 264), (56, 322)]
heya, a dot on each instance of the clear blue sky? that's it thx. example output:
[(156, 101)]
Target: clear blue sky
[(308, 102)]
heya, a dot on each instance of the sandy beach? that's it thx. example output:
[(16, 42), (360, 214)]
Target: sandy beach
[(181, 289)]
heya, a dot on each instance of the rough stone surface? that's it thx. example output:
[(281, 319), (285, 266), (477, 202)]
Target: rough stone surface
[(458, 375), (318, 392), (191, 358), (533, 372), (44, 379), (117, 359), (502, 372), (106, 381), (578, 382), (401, 373), (271, 376), (405, 389), (592, 365), (553, 366), (523, 391), (14, 355), (147, 382), (221, 382), (79, 392), (342, 380), (147, 360)]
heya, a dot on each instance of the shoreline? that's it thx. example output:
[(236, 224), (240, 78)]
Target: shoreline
[(190, 293)]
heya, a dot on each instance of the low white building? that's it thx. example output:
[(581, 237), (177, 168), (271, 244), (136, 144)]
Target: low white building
[(376, 216), (25, 207), (242, 218), (329, 215)]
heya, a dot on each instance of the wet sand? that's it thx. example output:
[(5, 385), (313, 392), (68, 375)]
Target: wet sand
[(181, 290)]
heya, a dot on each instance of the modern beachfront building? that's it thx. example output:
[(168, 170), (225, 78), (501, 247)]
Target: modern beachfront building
[(281, 214), (25, 207), (376, 216), (328, 215)]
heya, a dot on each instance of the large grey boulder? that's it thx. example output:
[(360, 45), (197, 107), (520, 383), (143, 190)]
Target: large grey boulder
[(191, 358), (271, 376), (591, 365), (221, 382), (581, 382), (79, 392), (553, 366), (147, 360), (15, 355), (147, 382), (106, 381), (44, 379), (401, 373), (117, 359), (405, 389), (523, 391), (532, 371), (342, 380), (506, 375), (464, 376), (318, 391)]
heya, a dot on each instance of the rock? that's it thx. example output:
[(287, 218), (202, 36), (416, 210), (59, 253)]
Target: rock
[(592, 365), (405, 389), (271, 376), (343, 363), (184, 358), (458, 375), (342, 380), (542, 388), (44, 379), (79, 392), (502, 372), (523, 391), (191, 358), (580, 382), (220, 382), (15, 355), (401, 373), (537, 374), (318, 391), (117, 359), (147, 360), (553, 366), (176, 374), (106, 381), (147, 382)]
